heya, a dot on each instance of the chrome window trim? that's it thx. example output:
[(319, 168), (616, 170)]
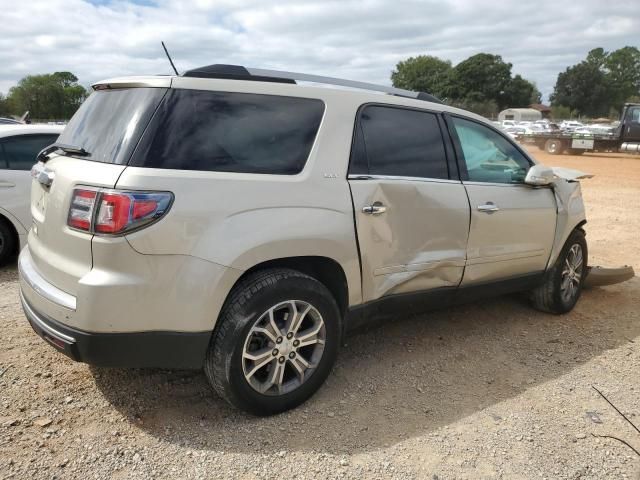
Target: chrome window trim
[(393, 177), (495, 184), (32, 278)]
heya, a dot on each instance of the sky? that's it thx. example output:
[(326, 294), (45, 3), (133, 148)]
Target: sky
[(354, 39)]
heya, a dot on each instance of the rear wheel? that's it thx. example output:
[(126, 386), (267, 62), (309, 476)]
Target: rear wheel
[(275, 343), (553, 146), (563, 283), (8, 242)]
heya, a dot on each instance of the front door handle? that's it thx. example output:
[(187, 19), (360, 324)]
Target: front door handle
[(376, 208), (5, 184), (488, 207)]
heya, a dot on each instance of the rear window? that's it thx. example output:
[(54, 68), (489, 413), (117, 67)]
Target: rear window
[(109, 123), (230, 132)]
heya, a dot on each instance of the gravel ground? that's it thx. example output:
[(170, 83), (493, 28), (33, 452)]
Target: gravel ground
[(489, 390)]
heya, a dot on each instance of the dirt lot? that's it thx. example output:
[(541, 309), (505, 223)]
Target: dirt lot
[(490, 390)]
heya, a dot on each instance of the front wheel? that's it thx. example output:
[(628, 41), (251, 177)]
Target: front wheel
[(563, 283), (275, 343)]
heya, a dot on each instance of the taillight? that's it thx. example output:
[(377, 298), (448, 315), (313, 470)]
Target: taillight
[(115, 212), (81, 209)]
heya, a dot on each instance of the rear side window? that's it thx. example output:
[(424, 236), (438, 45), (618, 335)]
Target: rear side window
[(398, 142), (19, 152), (230, 132), (109, 123)]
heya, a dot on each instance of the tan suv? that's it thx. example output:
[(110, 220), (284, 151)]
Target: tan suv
[(238, 220)]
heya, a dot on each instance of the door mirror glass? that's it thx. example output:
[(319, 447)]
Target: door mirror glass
[(539, 175)]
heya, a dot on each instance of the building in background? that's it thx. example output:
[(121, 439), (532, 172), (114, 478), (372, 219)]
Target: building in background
[(545, 110)]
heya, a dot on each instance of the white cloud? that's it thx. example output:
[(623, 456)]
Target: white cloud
[(356, 39)]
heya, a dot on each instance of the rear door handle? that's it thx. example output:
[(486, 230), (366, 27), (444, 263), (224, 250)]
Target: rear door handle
[(488, 207), (376, 208), (5, 184)]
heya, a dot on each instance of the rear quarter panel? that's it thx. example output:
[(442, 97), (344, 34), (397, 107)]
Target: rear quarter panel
[(239, 220)]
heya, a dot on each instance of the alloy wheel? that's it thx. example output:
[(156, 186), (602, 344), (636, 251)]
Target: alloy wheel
[(283, 347), (572, 273)]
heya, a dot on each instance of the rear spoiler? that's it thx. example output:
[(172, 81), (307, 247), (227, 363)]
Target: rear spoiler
[(133, 82)]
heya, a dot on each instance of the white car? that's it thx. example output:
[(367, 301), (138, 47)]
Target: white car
[(19, 145), (570, 125)]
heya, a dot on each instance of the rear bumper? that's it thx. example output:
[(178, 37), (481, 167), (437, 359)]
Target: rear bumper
[(139, 349), (65, 322)]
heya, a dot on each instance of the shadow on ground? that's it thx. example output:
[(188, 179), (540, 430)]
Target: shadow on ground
[(397, 381)]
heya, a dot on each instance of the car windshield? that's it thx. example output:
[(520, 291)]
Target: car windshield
[(109, 123)]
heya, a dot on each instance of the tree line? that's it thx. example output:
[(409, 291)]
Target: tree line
[(483, 83), (53, 96)]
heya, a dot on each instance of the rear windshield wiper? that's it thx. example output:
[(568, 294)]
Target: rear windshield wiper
[(43, 156)]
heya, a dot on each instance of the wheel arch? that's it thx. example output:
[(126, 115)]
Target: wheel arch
[(324, 269), (9, 223)]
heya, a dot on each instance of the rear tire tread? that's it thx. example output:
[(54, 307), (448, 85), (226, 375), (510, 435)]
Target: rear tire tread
[(218, 359)]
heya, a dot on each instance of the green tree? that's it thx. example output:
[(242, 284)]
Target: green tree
[(482, 83), (423, 73), (481, 78), (583, 88), (622, 69), (5, 108), (521, 93), (601, 83), (48, 96)]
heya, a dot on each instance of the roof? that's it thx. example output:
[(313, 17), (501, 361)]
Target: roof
[(541, 107), (520, 110), (311, 86), (26, 129), (237, 72)]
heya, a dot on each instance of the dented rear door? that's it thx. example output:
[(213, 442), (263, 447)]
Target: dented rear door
[(412, 220)]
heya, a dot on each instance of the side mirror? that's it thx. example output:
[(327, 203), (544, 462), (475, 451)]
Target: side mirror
[(539, 175)]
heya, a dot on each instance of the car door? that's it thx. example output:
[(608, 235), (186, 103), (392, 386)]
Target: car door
[(631, 126), (412, 216), (17, 156), (512, 224)]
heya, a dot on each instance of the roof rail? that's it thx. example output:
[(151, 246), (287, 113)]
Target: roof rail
[(237, 72)]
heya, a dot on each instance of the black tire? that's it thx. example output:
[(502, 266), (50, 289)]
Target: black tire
[(554, 146), (549, 297), (8, 242), (246, 304)]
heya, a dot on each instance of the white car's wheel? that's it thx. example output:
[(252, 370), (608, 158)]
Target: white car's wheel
[(8, 241)]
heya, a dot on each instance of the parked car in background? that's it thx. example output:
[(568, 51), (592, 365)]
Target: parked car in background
[(515, 131), (9, 121), (570, 125), (19, 146)]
